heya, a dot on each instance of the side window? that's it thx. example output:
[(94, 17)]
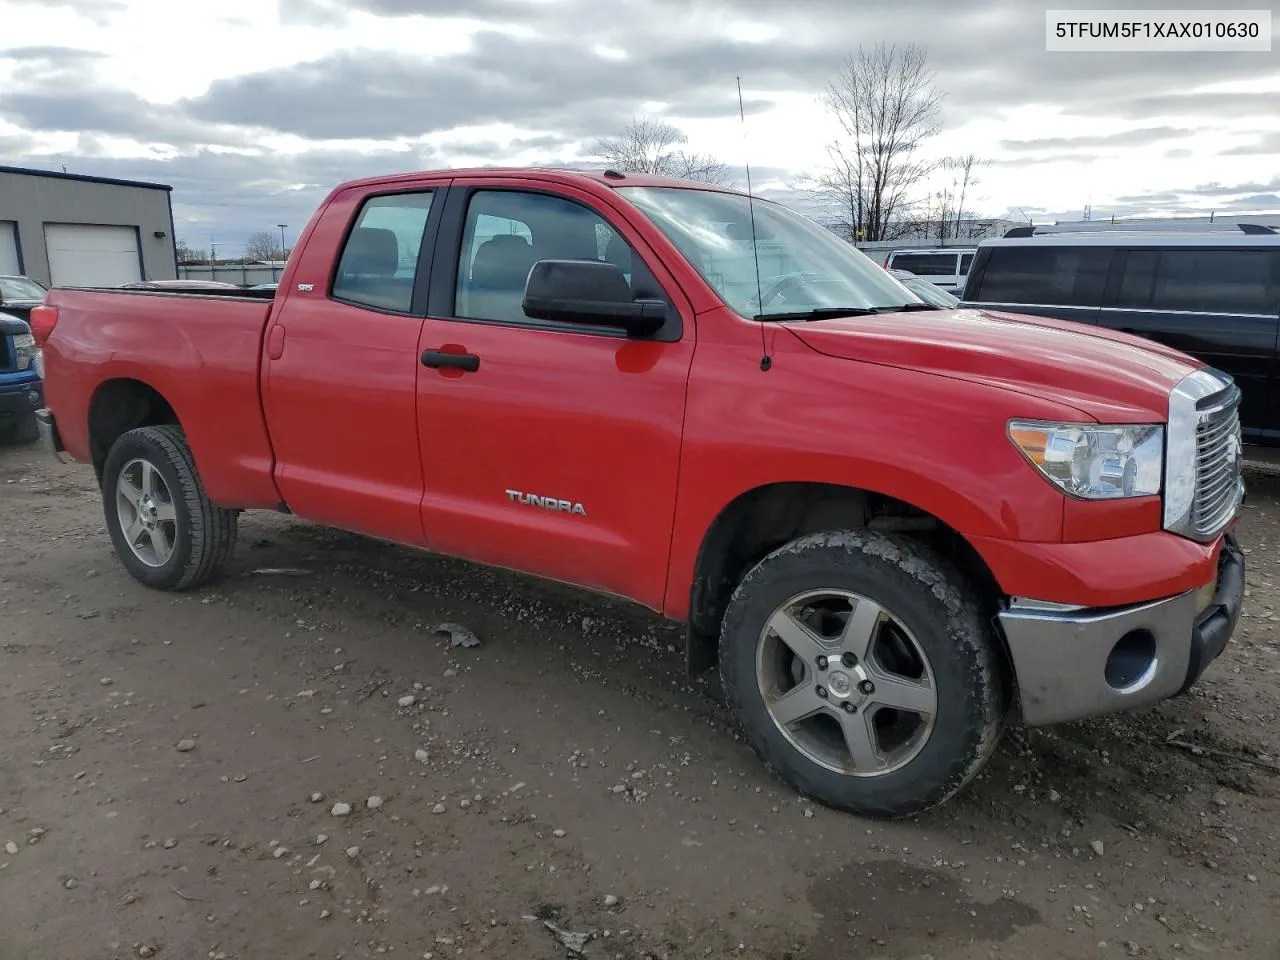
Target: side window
[(380, 258), (927, 264), (1045, 276), (966, 261), (507, 231), (1216, 281), (1138, 279)]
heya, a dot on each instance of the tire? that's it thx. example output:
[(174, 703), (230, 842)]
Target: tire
[(201, 535), (926, 624), (26, 430)]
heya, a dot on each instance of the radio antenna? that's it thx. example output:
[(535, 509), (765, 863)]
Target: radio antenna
[(765, 360)]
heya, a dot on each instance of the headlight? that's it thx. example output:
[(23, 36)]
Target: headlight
[(1094, 461), (24, 346)]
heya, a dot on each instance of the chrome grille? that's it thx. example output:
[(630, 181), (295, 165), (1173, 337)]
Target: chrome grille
[(1219, 452)]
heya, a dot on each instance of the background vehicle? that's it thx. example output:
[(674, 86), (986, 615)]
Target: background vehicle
[(926, 291), (21, 391), (946, 267), (1215, 296), (178, 285), (888, 527), (19, 294)]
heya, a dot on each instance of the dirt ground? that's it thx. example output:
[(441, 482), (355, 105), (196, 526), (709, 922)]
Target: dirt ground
[(170, 766)]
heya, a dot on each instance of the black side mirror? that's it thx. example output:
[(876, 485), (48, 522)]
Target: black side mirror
[(589, 292)]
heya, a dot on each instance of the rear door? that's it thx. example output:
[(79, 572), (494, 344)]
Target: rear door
[(1218, 304), (342, 364), (548, 448), (1065, 282)]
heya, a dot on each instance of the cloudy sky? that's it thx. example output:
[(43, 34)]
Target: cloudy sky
[(253, 109)]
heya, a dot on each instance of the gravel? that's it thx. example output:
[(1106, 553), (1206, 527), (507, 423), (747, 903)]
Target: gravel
[(185, 746), (341, 809)]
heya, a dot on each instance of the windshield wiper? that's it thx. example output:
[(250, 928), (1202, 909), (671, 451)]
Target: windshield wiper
[(908, 308), (820, 313)]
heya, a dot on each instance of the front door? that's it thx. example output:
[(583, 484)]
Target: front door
[(342, 367), (546, 447)]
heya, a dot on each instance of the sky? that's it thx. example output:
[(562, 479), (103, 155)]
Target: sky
[(254, 109)]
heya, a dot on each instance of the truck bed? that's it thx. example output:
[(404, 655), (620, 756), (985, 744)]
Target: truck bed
[(202, 352)]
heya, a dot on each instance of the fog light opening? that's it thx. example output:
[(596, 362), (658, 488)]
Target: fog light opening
[(1132, 662)]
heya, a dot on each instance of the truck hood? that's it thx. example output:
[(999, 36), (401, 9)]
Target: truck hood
[(1112, 377)]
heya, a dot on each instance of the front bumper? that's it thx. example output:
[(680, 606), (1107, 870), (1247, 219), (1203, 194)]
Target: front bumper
[(1077, 662), (19, 400)]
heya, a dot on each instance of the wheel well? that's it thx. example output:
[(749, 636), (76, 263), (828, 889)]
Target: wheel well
[(761, 520), (119, 406)]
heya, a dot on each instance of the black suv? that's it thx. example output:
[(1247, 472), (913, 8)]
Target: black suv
[(1215, 296)]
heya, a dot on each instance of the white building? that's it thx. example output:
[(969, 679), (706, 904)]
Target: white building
[(69, 229)]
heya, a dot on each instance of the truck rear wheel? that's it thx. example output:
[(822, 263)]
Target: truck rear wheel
[(863, 673), (166, 531)]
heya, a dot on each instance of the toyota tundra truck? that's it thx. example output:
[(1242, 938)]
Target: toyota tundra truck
[(893, 527)]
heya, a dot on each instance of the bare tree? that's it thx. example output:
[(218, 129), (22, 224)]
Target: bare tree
[(964, 175), (263, 245), (887, 106), (189, 254), (651, 146)]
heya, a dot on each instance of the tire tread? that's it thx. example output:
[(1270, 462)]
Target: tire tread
[(211, 529), (915, 565)]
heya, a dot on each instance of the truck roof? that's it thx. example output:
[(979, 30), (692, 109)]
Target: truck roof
[(567, 176)]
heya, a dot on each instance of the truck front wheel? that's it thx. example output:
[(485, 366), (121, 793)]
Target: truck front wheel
[(862, 671), (166, 531)]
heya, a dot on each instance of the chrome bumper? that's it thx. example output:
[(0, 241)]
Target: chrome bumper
[(49, 438), (1073, 662)]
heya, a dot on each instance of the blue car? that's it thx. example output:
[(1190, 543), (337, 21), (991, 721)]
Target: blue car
[(21, 383)]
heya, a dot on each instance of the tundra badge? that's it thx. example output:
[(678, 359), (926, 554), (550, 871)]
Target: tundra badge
[(546, 503)]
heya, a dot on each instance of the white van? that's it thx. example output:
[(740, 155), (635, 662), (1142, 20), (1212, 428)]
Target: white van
[(945, 267)]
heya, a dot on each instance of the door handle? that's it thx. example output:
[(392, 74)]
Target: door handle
[(460, 361)]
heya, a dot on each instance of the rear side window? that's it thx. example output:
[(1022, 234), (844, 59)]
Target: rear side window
[(1045, 276), (1204, 281), (925, 264), (966, 261), (380, 258)]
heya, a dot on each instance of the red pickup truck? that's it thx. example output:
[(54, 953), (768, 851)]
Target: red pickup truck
[(893, 525)]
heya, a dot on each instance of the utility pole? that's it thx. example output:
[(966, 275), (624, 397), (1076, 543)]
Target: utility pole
[(284, 253)]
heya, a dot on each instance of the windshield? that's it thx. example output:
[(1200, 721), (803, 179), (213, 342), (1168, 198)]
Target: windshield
[(20, 288), (804, 267), (930, 293)]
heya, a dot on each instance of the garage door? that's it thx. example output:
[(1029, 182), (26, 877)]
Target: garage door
[(8, 247), (92, 256)]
